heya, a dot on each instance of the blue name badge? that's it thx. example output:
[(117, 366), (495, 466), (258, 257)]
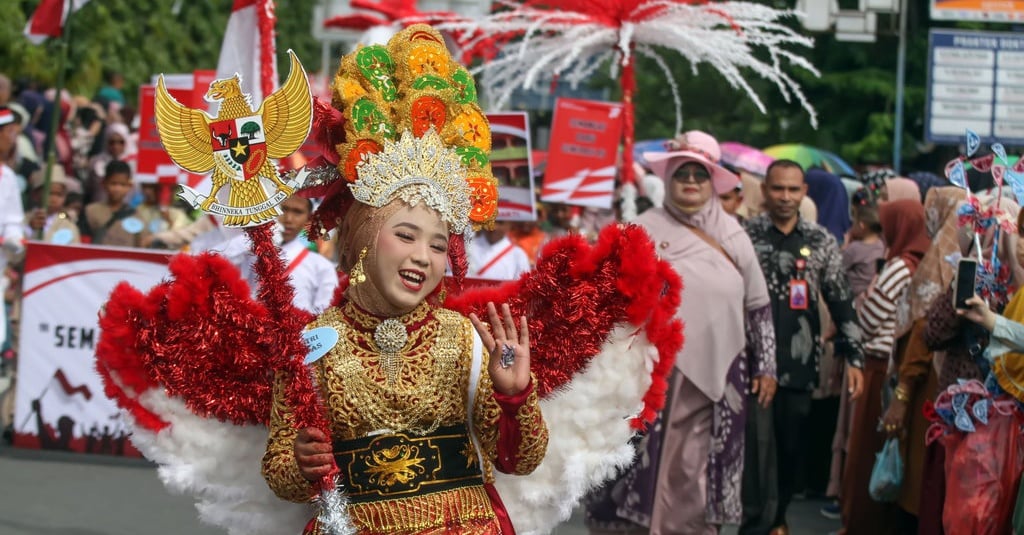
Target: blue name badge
[(319, 341), (63, 236), (133, 225)]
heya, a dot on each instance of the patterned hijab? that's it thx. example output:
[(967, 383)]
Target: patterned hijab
[(934, 274)]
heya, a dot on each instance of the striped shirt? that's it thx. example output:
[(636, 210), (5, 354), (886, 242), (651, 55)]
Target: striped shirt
[(877, 315)]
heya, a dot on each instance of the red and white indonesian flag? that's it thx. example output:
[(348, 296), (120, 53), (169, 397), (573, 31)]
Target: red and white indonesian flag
[(249, 45), (49, 18)]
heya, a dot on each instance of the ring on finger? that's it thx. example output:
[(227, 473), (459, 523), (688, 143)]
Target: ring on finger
[(508, 355)]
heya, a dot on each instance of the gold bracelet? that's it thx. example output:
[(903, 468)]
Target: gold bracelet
[(901, 394)]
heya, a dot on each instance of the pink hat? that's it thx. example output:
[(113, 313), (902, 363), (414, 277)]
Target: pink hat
[(693, 146)]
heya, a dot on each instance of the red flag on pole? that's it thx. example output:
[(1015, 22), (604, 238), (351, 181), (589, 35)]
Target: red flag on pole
[(49, 18)]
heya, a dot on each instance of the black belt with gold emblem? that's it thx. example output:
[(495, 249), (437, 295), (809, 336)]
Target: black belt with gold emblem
[(399, 465)]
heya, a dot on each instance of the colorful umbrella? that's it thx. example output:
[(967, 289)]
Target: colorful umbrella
[(809, 156), (647, 145), (746, 158)]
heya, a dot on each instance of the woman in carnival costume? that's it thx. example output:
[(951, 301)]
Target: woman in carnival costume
[(417, 454), (411, 414)]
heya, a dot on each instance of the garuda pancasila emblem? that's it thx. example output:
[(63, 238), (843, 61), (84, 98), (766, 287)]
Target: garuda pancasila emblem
[(237, 145)]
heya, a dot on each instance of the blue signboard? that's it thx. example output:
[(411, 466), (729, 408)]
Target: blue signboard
[(975, 81)]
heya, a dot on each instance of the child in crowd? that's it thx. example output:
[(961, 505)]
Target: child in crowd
[(313, 277), (49, 221), (863, 250), (113, 221)]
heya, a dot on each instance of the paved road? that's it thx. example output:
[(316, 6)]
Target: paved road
[(46, 493)]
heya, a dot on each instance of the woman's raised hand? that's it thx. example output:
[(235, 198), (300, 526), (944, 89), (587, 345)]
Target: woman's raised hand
[(509, 348)]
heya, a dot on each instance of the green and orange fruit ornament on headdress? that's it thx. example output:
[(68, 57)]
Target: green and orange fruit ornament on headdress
[(405, 123)]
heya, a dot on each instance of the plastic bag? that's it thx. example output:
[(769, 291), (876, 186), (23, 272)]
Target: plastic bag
[(982, 474), (887, 474)]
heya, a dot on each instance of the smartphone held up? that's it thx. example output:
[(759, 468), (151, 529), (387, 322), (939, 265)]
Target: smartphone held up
[(964, 282)]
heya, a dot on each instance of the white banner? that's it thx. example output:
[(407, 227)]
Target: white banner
[(59, 402)]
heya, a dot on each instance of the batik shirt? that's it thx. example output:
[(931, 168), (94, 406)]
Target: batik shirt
[(798, 332)]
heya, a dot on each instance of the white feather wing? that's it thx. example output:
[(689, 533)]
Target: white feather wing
[(218, 463), (589, 433)]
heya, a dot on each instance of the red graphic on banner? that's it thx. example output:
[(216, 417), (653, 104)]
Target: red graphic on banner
[(584, 146), (70, 390)]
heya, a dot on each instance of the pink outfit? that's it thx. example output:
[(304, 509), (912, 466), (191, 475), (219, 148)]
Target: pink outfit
[(715, 294), (684, 464)]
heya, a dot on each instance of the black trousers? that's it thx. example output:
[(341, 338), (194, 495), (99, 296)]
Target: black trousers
[(770, 478)]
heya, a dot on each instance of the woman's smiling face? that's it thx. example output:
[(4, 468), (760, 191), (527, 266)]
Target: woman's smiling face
[(411, 256)]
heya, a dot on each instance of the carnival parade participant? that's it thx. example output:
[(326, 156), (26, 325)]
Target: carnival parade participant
[(987, 223), (692, 482), (388, 413), (802, 265), (398, 378)]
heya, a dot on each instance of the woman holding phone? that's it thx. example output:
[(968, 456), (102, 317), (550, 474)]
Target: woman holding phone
[(1006, 332)]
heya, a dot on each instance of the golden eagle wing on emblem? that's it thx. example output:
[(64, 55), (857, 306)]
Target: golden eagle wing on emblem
[(184, 132), (288, 112)]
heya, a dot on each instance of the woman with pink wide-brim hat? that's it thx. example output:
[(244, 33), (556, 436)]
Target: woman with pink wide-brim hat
[(687, 477), (693, 146)]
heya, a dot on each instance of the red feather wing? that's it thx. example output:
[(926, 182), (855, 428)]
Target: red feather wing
[(579, 292), (198, 335)]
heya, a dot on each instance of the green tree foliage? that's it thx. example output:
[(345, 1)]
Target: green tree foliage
[(140, 38)]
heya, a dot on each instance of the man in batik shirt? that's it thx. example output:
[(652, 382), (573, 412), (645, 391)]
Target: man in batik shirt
[(803, 266)]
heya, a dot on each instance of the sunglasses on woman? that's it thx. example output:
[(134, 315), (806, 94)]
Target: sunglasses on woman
[(696, 175)]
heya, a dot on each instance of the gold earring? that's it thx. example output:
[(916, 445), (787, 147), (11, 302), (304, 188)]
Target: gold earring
[(358, 274)]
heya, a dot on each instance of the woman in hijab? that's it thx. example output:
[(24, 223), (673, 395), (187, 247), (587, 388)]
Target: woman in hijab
[(118, 144), (917, 374), (687, 479), (899, 188), (903, 228), (926, 181), (961, 342), (829, 194)]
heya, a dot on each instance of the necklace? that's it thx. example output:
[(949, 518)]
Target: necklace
[(391, 336), (399, 374)]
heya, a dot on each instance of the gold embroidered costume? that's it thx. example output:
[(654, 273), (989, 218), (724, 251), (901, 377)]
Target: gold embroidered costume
[(401, 481)]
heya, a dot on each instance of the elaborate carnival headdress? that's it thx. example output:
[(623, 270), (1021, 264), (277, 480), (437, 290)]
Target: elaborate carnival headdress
[(406, 124)]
